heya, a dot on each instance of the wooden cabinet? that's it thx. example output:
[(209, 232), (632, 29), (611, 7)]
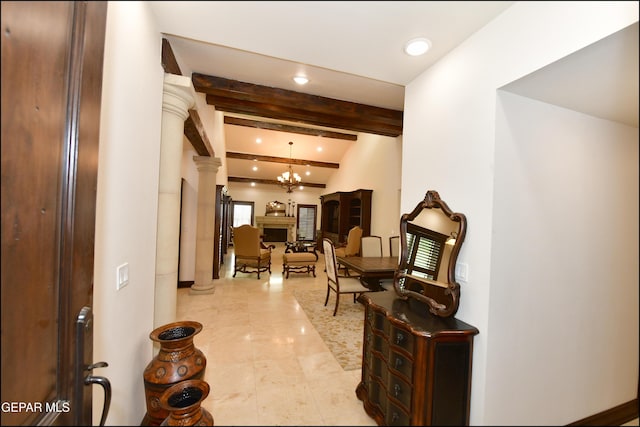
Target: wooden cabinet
[(343, 210), (416, 367)]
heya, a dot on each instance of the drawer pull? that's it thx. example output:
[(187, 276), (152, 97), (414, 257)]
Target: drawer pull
[(399, 338), (398, 362), (397, 390), (395, 417)]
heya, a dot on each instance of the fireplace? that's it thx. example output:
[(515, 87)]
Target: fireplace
[(285, 223), (274, 234)]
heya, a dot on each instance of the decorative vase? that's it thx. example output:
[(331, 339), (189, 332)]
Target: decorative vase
[(178, 360), (183, 402)]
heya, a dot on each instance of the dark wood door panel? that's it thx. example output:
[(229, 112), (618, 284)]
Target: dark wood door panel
[(52, 57)]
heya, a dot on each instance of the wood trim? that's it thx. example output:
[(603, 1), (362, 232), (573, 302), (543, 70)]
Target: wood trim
[(169, 61), (193, 129), (234, 96), (285, 160), (270, 181), (615, 416), (288, 128)]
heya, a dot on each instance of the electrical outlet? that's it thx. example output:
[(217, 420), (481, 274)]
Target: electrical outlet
[(462, 271), (122, 274)]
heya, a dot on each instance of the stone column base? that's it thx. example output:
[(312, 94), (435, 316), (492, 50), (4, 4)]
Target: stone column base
[(202, 289)]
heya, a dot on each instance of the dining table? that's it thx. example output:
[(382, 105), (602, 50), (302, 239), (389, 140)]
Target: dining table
[(371, 269)]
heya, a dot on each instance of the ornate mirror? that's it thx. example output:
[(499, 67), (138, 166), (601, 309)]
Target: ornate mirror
[(430, 239)]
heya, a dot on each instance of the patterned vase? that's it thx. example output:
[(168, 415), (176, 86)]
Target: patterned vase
[(183, 402), (178, 360)]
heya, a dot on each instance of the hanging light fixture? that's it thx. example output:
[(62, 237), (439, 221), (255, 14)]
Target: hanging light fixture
[(289, 179)]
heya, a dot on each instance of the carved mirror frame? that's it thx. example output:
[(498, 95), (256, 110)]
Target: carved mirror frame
[(411, 280)]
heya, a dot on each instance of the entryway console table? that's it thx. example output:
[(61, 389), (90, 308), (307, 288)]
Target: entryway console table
[(416, 367), (416, 358)]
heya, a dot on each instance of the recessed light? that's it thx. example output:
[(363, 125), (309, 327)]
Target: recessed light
[(301, 80), (417, 47)]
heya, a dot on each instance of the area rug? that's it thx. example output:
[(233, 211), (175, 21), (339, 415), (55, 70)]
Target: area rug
[(343, 332)]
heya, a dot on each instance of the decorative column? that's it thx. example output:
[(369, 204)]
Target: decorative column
[(178, 97), (205, 227)]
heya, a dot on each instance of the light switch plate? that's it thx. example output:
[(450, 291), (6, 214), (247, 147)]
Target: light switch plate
[(122, 276), (462, 271)]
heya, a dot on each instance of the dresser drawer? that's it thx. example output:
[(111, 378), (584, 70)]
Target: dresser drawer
[(377, 394), (378, 322), (400, 390), (401, 363), (379, 367), (380, 344), (396, 416), (402, 338)]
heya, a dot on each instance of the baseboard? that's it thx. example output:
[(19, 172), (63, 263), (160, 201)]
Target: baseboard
[(612, 417), (185, 284)]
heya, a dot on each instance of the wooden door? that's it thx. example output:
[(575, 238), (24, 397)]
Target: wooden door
[(52, 57)]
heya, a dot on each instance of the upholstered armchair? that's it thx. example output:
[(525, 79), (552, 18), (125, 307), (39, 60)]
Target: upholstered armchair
[(350, 248), (250, 254)]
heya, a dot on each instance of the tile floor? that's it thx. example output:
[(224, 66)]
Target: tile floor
[(266, 364)]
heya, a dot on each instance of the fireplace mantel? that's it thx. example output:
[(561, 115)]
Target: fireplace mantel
[(287, 222)]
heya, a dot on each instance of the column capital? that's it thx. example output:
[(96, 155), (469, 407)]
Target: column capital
[(178, 95), (207, 164)]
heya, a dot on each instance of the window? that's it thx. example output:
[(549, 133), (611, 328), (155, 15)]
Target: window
[(242, 213), (306, 225), (424, 252)]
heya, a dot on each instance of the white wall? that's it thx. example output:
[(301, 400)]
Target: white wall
[(374, 163), (127, 207), (564, 270), (450, 113)]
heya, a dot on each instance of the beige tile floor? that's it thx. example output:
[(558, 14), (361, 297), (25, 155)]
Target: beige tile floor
[(266, 364)]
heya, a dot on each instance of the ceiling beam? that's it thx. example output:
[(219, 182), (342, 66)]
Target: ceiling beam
[(271, 182), (193, 129), (238, 97), (288, 128), (286, 160)]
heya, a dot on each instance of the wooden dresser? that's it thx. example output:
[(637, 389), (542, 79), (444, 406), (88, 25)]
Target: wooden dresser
[(416, 367)]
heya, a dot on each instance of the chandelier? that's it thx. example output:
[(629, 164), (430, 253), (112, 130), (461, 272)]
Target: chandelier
[(289, 179)]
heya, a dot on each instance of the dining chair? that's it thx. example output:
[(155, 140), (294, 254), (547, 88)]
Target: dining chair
[(394, 251), (339, 285), (394, 246), (371, 246)]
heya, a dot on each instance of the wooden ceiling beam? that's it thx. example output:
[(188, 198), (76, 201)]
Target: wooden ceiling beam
[(286, 160), (194, 131), (271, 182), (246, 98), (193, 128), (258, 124)]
